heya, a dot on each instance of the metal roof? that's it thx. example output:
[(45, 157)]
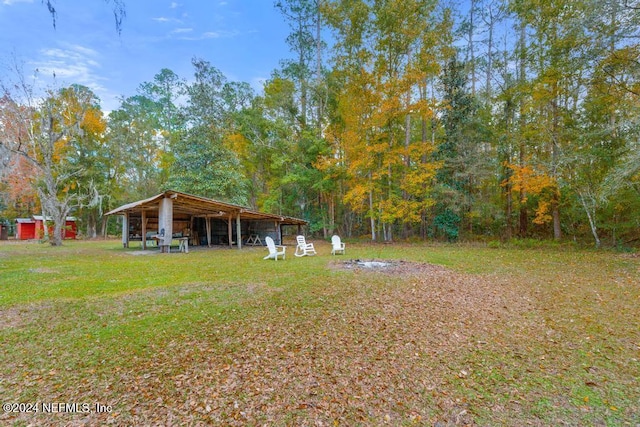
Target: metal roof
[(35, 218), (197, 206), (49, 218), (25, 220)]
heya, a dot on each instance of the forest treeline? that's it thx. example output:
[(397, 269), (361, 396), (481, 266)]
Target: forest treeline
[(393, 119)]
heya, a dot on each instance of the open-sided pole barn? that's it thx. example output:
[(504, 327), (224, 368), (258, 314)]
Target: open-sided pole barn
[(176, 215)]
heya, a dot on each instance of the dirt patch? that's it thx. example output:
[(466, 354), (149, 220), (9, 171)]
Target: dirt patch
[(631, 255), (43, 270), (17, 317), (389, 266), (141, 252), (11, 318)]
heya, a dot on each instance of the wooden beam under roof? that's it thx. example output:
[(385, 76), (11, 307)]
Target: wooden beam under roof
[(188, 204)]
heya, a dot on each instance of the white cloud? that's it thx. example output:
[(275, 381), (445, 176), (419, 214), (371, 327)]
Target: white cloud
[(174, 5), (12, 2), (210, 35), (182, 30), (164, 20), (71, 64), (84, 50)]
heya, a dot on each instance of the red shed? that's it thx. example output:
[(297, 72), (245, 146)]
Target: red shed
[(25, 228), (33, 228)]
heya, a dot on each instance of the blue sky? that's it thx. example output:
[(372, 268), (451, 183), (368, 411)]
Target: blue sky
[(245, 39)]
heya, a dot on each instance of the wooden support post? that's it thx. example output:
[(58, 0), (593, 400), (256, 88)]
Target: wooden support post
[(144, 230), (239, 231), (279, 233), (208, 224), (191, 220), (125, 230), (165, 222), (230, 230)]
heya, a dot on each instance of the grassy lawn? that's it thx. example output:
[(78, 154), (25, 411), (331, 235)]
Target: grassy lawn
[(452, 335)]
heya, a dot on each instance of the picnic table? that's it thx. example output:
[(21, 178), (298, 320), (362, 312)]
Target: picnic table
[(183, 244), (254, 240)]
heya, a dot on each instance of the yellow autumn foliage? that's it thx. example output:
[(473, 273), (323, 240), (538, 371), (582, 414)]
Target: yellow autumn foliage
[(238, 143), (356, 197), (94, 122), (543, 213), (527, 179), (534, 183)]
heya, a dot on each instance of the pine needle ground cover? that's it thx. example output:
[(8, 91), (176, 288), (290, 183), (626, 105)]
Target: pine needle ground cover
[(442, 335)]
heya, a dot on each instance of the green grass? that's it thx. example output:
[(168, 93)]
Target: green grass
[(505, 336)]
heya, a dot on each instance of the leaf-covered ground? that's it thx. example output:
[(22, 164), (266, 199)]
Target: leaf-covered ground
[(409, 344)]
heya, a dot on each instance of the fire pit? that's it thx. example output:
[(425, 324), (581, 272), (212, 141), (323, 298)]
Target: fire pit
[(369, 264), (372, 264), (388, 266)]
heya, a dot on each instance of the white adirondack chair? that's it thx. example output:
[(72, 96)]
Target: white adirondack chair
[(275, 251), (336, 245), (304, 248)]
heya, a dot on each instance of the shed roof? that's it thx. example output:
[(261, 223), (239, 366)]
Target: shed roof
[(35, 218), (41, 218), (201, 207), (25, 220)]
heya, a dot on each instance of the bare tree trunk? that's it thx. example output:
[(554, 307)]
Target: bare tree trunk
[(489, 61), (472, 59), (92, 225), (523, 217), (332, 214), (58, 211), (555, 211), (555, 148), (508, 212), (372, 218), (103, 227), (592, 219), (320, 93)]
